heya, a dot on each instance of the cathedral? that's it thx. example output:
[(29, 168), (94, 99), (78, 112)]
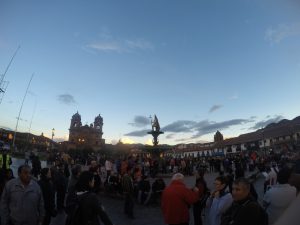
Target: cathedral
[(86, 136)]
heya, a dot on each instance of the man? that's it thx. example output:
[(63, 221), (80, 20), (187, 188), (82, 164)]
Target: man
[(22, 200), (176, 200), (244, 210), (279, 197), (127, 185)]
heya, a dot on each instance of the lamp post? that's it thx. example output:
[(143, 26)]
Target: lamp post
[(52, 136)]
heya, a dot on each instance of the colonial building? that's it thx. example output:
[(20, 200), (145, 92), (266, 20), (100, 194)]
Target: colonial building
[(87, 136), (274, 137)]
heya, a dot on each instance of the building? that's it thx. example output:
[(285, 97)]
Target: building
[(284, 135), (82, 137), (27, 141)]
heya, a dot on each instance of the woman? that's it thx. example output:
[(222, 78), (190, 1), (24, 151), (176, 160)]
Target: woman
[(48, 195), (89, 208), (218, 202), (203, 195)]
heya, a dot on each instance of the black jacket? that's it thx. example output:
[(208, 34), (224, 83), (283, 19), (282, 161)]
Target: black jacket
[(48, 195), (246, 212), (91, 210)]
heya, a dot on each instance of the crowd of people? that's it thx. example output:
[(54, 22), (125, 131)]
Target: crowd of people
[(73, 185)]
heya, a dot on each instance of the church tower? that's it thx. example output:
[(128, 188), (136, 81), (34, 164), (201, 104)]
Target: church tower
[(218, 137), (98, 123), (76, 121)]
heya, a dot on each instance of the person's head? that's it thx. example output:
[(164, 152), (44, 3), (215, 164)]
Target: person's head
[(46, 173), (85, 182), (76, 170), (283, 175), (220, 183), (24, 174), (240, 189), (178, 177)]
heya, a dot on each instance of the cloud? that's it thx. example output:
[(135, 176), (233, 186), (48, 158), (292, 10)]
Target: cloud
[(139, 44), (170, 136), (263, 123), (106, 47), (180, 126), (66, 99), (281, 32), (207, 127), (107, 43), (139, 133), (140, 121), (215, 108), (197, 129), (233, 97), (182, 139)]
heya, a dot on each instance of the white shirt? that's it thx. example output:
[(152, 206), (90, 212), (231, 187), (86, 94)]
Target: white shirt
[(108, 165), (278, 198)]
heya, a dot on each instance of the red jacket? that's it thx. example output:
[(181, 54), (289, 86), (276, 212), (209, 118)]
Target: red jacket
[(176, 200)]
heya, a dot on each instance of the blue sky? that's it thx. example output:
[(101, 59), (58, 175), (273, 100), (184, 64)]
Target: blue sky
[(198, 65)]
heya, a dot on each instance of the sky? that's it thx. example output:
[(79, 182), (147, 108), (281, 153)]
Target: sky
[(200, 66)]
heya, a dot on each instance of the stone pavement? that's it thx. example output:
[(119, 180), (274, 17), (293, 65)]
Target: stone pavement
[(145, 215)]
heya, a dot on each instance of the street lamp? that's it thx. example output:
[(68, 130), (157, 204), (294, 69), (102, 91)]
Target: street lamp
[(52, 136)]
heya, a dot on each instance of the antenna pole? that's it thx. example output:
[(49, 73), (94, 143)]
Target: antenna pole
[(21, 111)]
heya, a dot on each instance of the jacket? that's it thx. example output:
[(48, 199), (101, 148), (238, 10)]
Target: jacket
[(176, 200), (21, 205), (90, 209), (245, 212), (48, 195), (216, 207)]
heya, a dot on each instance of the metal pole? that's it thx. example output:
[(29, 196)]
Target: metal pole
[(21, 111), (2, 78)]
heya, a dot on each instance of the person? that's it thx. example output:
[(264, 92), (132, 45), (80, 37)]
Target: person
[(95, 169), (244, 210), (108, 168), (279, 196), (48, 195), (157, 187), (203, 195), (89, 204), (176, 200), (5, 160), (22, 200), (36, 166), (61, 187), (76, 171), (218, 202), (128, 190)]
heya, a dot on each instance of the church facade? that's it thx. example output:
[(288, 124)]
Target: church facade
[(87, 136)]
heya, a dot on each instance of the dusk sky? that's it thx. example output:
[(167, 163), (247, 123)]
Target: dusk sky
[(200, 66)]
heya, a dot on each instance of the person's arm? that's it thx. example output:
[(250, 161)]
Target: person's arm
[(4, 206), (191, 196)]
